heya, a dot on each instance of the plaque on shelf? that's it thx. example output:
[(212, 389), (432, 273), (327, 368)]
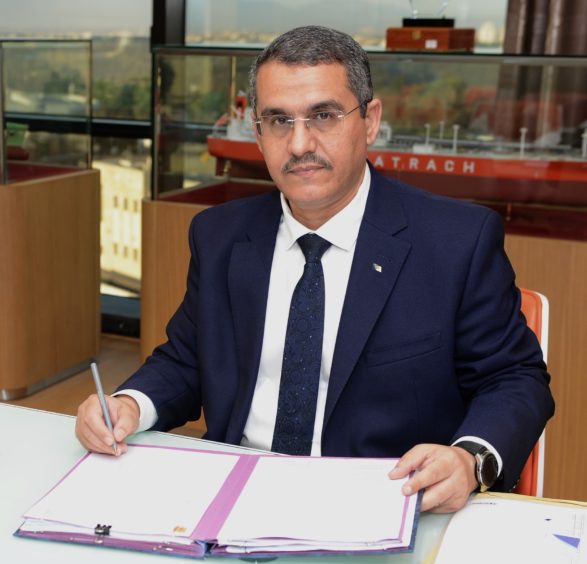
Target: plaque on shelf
[(429, 33)]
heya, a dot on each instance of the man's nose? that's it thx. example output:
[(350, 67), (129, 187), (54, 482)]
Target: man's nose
[(302, 139)]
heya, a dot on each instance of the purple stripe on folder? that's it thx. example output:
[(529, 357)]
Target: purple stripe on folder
[(218, 511), (405, 512), (196, 550)]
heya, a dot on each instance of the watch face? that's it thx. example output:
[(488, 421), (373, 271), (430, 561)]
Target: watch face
[(485, 464), (487, 470)]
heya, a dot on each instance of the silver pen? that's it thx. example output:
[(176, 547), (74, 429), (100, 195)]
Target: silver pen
[(103, 404)]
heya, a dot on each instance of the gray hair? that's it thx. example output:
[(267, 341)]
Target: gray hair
[(316, 45)]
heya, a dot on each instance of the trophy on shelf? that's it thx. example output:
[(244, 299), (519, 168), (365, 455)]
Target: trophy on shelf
[(429, 33)]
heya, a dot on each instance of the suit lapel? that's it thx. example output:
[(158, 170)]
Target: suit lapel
[(379, 257), (248, 284)]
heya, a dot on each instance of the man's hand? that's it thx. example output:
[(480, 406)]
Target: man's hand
[(91, 430), (446, 473)]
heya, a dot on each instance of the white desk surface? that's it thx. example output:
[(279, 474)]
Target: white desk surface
[(38, 447)]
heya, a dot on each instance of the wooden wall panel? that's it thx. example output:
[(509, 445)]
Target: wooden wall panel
[(558, 269)]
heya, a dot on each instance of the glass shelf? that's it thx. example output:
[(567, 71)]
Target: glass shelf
[(507, 131)]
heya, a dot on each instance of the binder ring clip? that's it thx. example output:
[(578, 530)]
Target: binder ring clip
[(102, 530)]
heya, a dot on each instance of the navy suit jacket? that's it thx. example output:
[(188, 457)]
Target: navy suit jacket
[(430, 347)]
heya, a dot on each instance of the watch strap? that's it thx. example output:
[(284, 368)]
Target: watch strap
[(472, 447)]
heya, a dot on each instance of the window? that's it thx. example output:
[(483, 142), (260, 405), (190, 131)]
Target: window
[(231, 21), (121, 80), (120, 36)]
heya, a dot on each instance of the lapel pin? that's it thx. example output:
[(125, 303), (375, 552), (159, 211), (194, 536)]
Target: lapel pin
[(377, 267)]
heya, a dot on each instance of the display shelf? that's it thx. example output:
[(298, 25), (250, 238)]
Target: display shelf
[(49, 215), (488, 127)]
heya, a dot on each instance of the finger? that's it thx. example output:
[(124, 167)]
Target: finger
[(436, 500), (90, 440), (448, 480), (94, 443), (410, 461), (443, 498), (91, 429), (427, 476), (125, 418)]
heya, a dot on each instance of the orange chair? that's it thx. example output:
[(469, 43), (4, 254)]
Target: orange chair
[(535, 310)]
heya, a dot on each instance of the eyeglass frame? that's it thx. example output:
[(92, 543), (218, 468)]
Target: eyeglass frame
[(291, 120)]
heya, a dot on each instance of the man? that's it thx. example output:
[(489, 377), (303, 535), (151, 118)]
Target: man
[(419, 338)]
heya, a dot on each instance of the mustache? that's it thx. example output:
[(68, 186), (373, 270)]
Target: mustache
[(307, 158)]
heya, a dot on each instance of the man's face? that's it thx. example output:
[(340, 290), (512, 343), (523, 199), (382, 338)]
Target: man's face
[(318, 172)]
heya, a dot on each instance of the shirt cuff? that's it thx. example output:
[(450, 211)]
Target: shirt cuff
[(487, 445), (147, 412)]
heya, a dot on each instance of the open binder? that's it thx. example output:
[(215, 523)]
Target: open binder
[(189, 502)]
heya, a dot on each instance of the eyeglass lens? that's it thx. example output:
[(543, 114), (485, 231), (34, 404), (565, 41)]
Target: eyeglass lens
[(323, 121)]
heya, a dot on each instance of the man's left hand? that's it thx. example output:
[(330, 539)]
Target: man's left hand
[(446, 473)]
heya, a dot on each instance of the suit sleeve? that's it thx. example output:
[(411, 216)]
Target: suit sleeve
[(498, 359), (170, 376)]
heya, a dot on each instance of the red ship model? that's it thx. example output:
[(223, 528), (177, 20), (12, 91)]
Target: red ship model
[(538, 186), (528, 174)]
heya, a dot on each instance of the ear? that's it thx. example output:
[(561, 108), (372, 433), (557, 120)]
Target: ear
[(373, 119)]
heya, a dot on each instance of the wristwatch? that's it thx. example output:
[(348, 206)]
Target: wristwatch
[(485, 464)]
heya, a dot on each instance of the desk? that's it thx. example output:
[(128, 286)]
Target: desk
[(38, 447)]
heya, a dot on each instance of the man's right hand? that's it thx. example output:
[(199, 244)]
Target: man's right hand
[(91, 430)]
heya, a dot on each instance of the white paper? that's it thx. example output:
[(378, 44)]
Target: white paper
[(506, 530), (333, 501), (147, 491)]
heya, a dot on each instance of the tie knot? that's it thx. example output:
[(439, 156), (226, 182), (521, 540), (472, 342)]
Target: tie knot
[(313, 246)]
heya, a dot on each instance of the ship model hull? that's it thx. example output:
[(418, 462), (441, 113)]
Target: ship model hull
[(513, 179)]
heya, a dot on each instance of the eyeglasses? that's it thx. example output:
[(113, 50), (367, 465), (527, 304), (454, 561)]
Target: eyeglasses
[(321, 121)]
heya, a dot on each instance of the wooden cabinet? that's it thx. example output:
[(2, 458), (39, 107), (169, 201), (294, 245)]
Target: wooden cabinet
[(164, 268), (49, 279), (165, 262)]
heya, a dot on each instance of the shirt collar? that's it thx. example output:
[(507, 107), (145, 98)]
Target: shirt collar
[(341, 230)]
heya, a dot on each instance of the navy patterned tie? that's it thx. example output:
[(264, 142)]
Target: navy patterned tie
[(302, 355)]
